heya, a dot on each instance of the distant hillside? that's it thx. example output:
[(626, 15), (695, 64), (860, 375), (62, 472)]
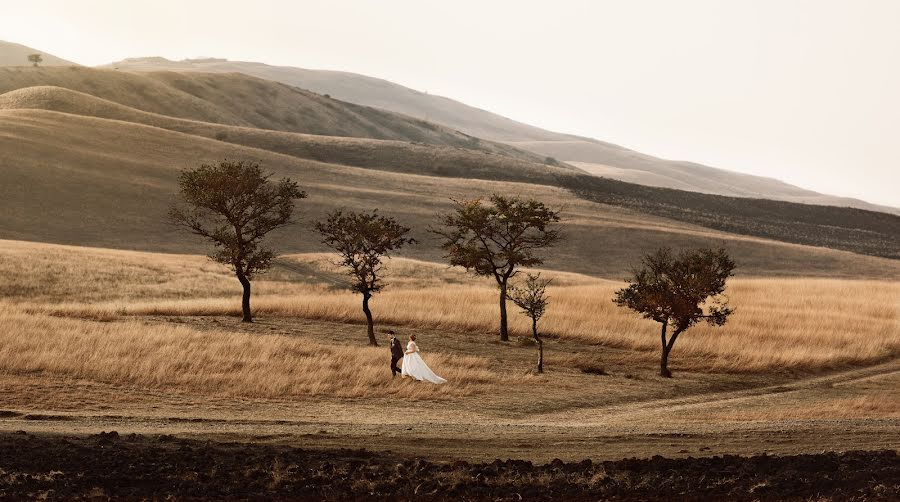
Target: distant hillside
[(363, 90), (178, 103), (242, 100), (83, 180), (613, 161), (600, 158), (17, 55), (399, 156)]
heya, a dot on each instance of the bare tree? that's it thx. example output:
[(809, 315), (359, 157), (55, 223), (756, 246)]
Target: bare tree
[(362, 240), (496, 239), (532, 298), (679, 290), (234, 205), (35, 59)]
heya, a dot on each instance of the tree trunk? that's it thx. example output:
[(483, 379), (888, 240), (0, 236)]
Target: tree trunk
[(534, 333), (370, 324), (666, 352), (245, 300), (664, 360), (504, 333)]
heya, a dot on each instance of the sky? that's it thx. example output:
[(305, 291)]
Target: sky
[(806, 91)]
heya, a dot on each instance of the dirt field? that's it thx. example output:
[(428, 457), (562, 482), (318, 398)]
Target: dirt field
[(207, 406), (110, 465)]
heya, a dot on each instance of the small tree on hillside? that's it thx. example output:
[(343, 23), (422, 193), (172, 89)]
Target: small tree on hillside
[(35, 59), (495, 240), (532, 298), (234, 205), (679, 291), (362, 239)]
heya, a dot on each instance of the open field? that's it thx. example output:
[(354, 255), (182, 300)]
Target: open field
[(125, 372), (144, 342), (147, 343), (793, 323), (133, 355)]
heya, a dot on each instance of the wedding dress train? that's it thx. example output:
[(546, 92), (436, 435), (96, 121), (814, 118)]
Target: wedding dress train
[(414, 366)]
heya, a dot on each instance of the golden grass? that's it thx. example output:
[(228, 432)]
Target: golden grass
[(180, 359), (780, 323), (777, 324)]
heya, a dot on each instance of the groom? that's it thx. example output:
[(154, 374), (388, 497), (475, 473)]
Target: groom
[(396, 355)]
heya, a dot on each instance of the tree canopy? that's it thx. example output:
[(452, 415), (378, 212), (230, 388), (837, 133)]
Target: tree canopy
[(235, 205), (498, 238), (362, 240), (679, 291)]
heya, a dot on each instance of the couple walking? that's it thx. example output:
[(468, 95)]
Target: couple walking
[(413, 364)]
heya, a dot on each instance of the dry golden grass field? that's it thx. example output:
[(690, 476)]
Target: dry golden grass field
[(98, 339), (113, 320)]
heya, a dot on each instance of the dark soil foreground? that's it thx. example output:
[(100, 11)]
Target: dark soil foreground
[(160, 467)]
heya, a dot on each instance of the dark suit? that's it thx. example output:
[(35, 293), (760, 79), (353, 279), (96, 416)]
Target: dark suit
[(396, 355)]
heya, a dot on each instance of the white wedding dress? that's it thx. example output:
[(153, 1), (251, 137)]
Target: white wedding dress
[(414, 366)]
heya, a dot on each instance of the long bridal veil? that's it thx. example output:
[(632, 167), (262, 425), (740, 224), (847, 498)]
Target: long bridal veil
[(414, 367)]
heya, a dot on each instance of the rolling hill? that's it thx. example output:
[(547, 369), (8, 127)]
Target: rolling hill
[(17, 55), (597, 157), (391, 155), (60, 120), (90, 181), (362, 90), (242, 100), (613, 161)]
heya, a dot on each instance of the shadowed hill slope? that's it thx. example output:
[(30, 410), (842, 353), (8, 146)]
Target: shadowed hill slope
[(241, 100), (604, 159), (88, 181), (17, 55), (613, 161), (839, 228), (389, 155), (363, 90)]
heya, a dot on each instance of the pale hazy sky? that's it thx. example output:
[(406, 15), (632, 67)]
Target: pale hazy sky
[(807, 91)]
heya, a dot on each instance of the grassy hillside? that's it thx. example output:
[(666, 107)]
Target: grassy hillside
[(400, 156), (363, 90), (854, 230), (613, 161), (604, 159), (241, 100), (17, 55), (99, 182)]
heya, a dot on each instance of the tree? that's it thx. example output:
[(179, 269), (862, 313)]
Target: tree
[(362, 240), (532, 298), (35, 59), (679, 291), (234, 205), (495, 240)]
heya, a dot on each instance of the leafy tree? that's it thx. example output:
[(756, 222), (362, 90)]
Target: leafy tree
[(35, 59), (532, 298), (234, 205), (679, 290), (362, 239), (496, 239)]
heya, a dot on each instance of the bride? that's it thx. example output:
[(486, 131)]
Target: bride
[(414, 366)]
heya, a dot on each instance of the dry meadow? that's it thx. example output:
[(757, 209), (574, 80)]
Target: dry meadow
[(94, 314)]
